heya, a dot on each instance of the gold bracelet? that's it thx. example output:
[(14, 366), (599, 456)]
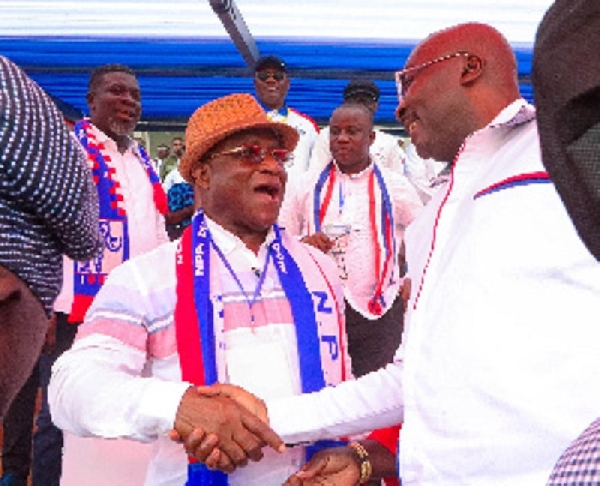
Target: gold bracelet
[(366, 469)]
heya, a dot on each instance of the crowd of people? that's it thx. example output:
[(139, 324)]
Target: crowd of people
[(266, 302)]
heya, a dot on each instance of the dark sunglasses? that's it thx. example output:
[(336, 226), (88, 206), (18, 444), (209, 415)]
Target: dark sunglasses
[(277, 76)]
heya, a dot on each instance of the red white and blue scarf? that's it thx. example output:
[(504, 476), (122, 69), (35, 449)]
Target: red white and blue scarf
[(90, 276), (381, 226), (319, 329)]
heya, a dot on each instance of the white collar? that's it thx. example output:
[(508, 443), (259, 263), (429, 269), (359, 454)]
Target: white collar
[(358, 175), (516, 113), (228, 242)]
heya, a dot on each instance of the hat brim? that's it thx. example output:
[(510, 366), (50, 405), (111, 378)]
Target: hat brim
[(288, 134)]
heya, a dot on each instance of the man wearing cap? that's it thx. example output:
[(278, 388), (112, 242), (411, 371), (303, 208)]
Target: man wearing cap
[(385, 149), (220, 305), (271, 84)]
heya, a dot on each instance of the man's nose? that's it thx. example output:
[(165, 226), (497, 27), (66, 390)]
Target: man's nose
[(343, 136), (130, 97)]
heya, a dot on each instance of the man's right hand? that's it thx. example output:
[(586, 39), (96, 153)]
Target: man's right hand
[(239, 435), (335, 467), (320, 241)]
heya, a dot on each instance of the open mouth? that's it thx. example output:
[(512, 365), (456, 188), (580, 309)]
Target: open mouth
[(272, 190), (126, 114)]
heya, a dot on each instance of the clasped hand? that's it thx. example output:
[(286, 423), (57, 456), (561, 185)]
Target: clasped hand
[(223, 426)]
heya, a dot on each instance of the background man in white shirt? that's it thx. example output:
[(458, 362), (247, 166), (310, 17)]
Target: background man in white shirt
[(114, 101), (355, 198)]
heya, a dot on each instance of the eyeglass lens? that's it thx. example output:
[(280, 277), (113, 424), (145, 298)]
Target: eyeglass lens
[(255, 154)]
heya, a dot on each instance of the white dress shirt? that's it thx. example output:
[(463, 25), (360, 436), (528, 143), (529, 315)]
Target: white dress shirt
[(498, 370), (349, 208)]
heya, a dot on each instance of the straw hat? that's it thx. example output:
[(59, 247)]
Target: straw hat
[(222, 117)]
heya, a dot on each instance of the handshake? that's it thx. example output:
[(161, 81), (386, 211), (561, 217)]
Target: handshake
[(224, 426)]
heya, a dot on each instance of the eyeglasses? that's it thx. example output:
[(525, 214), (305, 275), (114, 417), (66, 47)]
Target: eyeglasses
[(255, 154), (406, 77), (277, 76)]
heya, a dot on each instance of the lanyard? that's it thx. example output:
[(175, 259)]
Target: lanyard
[(249, 301), (294, 287)]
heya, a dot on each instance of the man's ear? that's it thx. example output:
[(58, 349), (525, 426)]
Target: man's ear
[(472, 70), (372, 136), (90, 99), (201, 175)]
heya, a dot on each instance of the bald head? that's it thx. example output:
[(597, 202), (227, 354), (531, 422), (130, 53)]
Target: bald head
[(482, 41), (354, 106), (463, 77)]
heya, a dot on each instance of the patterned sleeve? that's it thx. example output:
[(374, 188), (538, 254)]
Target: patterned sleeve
[(44, 171), (180, 196)]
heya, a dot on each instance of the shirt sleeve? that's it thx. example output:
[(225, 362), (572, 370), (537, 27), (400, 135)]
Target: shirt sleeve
[(44, 170), (394, 155), (78, 230), (406, 201), (372, 401), (100, 387), (292, 214), (320, 155)]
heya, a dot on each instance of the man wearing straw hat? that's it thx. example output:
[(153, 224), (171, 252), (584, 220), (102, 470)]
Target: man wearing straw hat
[(222, 305)]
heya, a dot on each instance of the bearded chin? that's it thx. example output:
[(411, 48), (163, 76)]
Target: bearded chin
[(121, 128)]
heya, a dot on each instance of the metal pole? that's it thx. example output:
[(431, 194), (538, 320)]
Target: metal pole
[(234, 23)]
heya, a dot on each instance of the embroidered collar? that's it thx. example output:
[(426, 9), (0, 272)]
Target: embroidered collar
[(363, 173), (283, 112), (517, 113)]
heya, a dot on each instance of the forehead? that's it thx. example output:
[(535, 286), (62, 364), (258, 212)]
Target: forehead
[(118, 77), (349, 114)]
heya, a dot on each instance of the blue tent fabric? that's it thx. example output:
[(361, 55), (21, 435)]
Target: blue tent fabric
[(177, 75)]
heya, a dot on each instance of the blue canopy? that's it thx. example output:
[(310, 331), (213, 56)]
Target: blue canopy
[(178, 75), (185, 53)]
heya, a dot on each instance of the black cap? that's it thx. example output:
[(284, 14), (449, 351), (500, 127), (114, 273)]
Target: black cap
[(269, 61), (358, 87)]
